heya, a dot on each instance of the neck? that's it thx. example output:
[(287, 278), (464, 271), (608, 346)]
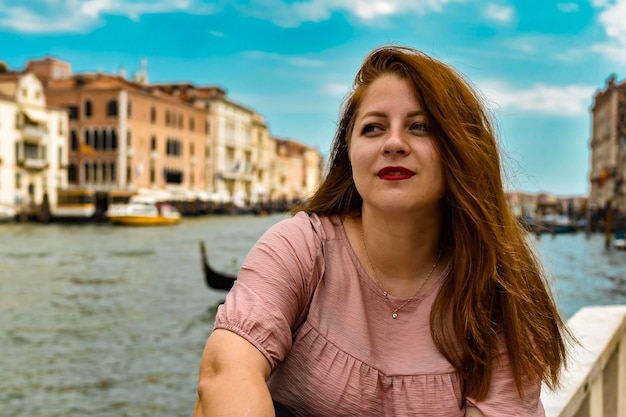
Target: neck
[(400, 256)]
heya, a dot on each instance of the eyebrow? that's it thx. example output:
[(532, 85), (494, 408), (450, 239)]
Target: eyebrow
[(381, 114)]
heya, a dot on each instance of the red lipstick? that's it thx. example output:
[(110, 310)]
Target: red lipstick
[(395, 173)]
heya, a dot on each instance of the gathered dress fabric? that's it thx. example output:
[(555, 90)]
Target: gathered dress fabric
[(305, 301)]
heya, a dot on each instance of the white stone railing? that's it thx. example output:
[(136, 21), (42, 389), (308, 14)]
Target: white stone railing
[(594, 383)]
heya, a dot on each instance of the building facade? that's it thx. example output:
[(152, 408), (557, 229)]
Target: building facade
[(127, 136), (122, 136), (33, 145), (608, 148)]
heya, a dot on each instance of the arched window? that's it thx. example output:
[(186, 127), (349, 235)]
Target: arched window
[(105, 139), (88, 137), (73, 140), (71, 173), (113, 139), (88, 108), (96, 139), (112, 108)]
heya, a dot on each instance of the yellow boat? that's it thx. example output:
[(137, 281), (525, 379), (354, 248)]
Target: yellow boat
[(143, 211)]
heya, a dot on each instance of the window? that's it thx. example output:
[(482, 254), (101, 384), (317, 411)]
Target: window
[(88, 108), (173, 176), (73, 140), (153, 115), (153, 143), (128, 140), (71, 173), (129, 111), (152, 173), (112, 171), (192, 123), (60, 155), (96, 139), (105, 139), (114, 139), (88, 137), (31, 151), (18, 180), (72, 112), (173, 147), (112, 108)]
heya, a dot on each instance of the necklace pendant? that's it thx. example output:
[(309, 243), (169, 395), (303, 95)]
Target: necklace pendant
[(394, 315)]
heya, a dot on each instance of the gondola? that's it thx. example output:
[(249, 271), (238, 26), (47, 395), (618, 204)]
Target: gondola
[(214, 279)]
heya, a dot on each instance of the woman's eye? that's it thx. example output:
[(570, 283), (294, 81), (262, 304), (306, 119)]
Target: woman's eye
[(369, 129), (420, 127)]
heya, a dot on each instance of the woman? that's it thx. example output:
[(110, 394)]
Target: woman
[(404, 285)]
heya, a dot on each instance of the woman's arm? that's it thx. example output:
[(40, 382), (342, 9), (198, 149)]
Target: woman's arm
[(232, 378)]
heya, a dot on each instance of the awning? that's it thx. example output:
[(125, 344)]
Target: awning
[(35, 115)]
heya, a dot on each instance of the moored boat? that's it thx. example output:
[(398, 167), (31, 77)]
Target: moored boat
[(619, 242), (143, 211), (214, 279)]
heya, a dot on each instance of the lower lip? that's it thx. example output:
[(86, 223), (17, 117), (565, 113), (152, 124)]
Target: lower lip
[(395, 177)]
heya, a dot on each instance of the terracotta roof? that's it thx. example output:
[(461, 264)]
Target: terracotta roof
[(11, 76)]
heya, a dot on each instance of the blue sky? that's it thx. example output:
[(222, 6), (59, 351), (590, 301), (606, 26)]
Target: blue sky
[(537, 62)]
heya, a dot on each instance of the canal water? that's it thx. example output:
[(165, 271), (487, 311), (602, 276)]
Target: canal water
[(102, 320)]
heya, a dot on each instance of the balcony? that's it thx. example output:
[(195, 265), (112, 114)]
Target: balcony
[(594, 385), (33, 132), (32, 164)]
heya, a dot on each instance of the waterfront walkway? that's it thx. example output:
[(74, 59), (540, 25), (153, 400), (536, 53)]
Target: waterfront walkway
[(594, 385)]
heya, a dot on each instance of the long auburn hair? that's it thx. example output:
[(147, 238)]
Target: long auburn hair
[(497, 287)]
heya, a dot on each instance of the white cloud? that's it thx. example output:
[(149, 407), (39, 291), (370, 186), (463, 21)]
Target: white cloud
[(499, 13), (293, 14), (45, 16), (568, 7), (613, 19), (285, 59), (336, 89), (565, 101), (48, 16)]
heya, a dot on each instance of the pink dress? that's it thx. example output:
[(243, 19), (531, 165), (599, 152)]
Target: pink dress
[(305, 301)]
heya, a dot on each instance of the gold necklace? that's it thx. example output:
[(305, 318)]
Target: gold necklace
[(394, 311)]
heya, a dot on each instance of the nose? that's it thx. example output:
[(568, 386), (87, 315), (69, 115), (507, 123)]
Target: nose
[(395, 143)]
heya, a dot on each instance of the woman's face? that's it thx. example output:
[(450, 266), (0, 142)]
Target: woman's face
[(395, 164)]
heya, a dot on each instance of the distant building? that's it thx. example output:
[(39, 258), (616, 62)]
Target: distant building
[(608, 148), (125, 135), (33, 145), (298, 170), (180, 140)]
